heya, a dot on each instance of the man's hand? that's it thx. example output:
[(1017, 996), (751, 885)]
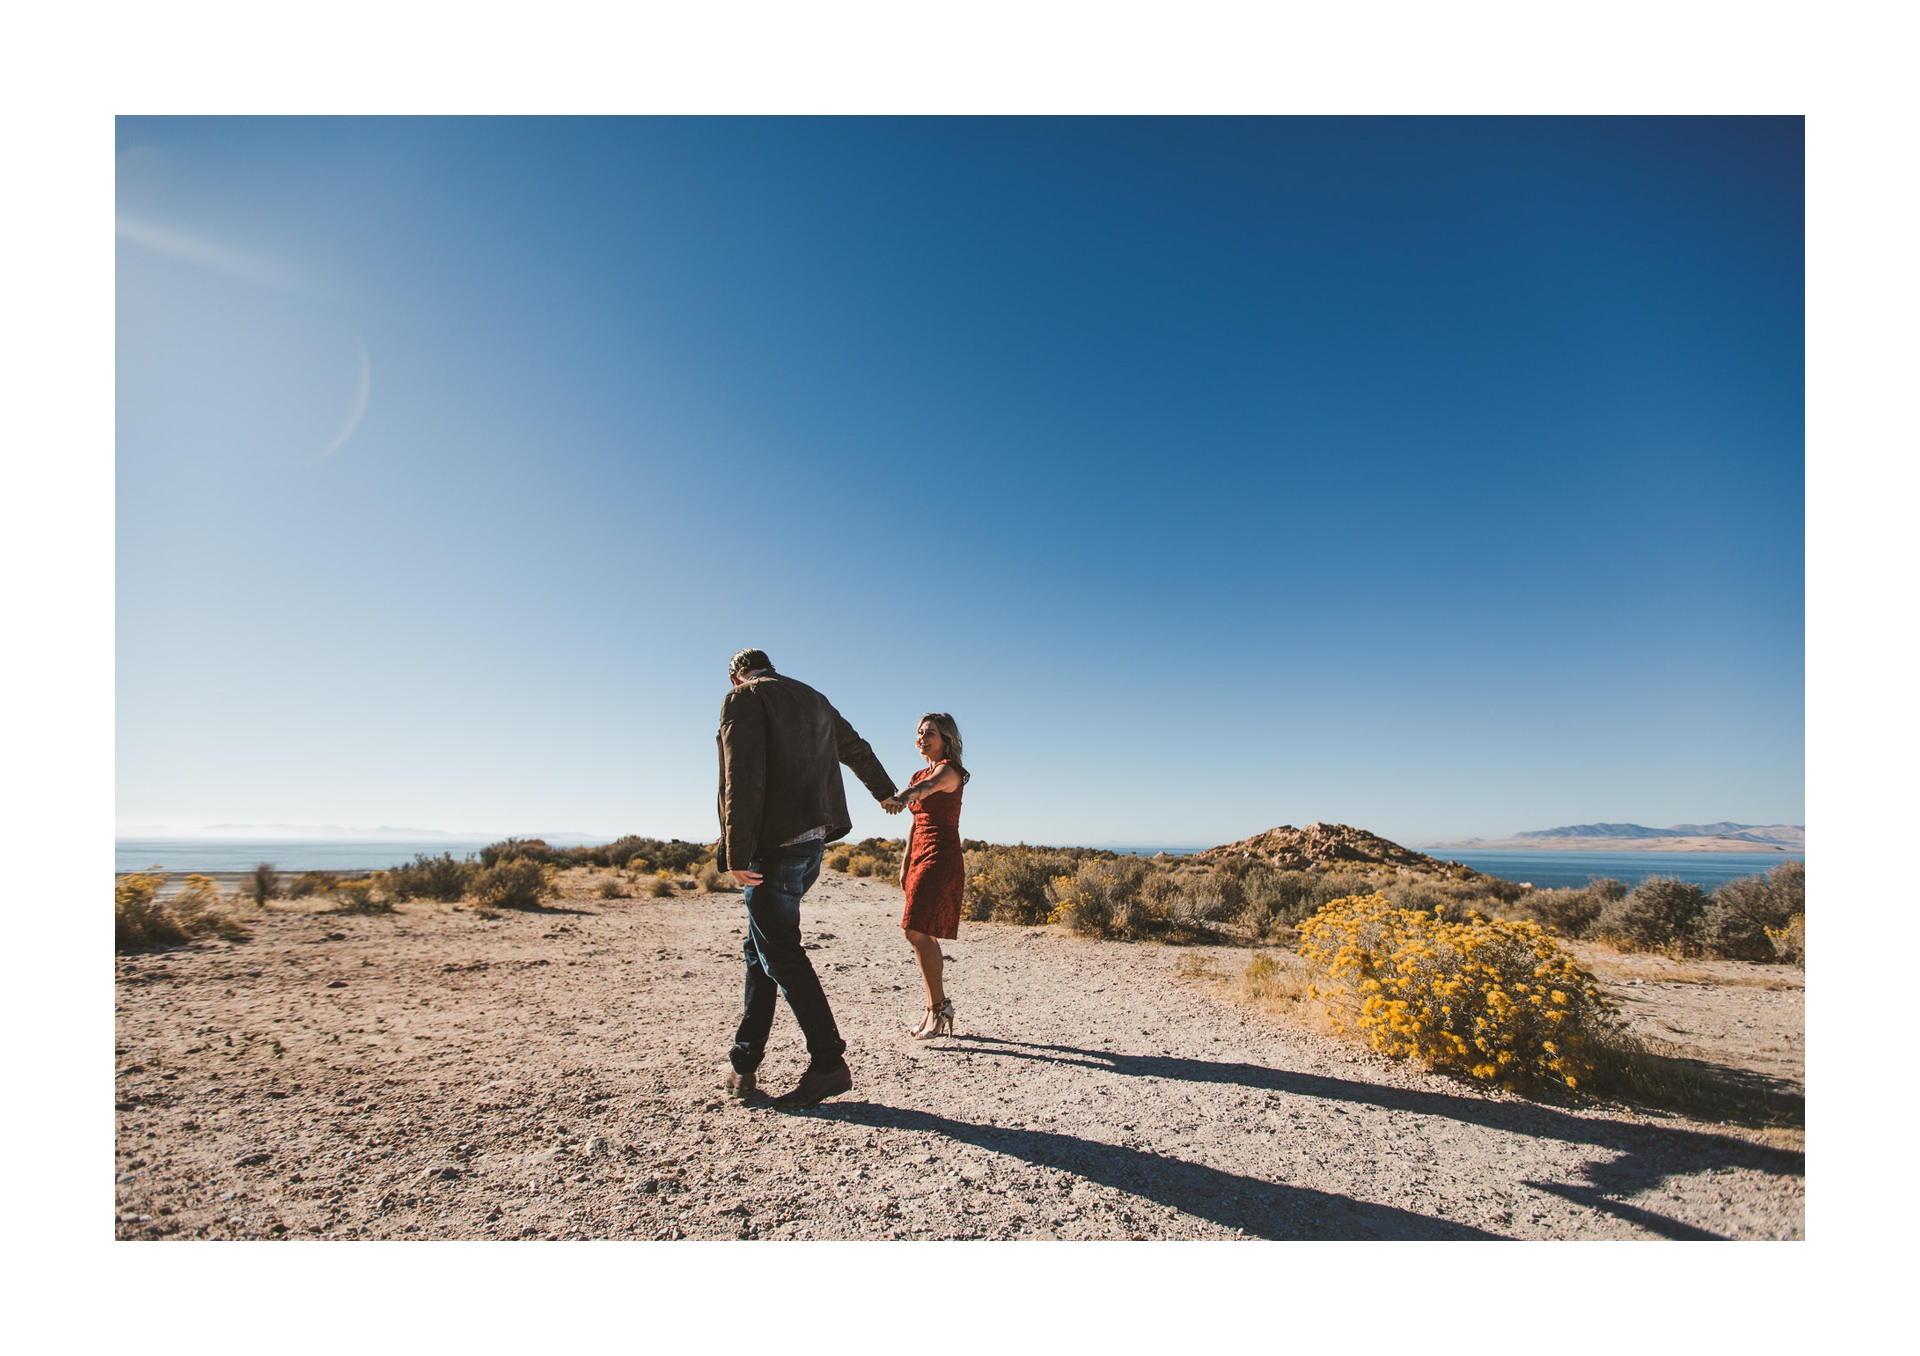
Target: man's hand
[(893, 805), (747, 877)]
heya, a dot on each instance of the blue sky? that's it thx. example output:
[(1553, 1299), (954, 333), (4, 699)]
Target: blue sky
[(1439, 476)]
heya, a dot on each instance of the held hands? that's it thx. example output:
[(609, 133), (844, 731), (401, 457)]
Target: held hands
[(893, 805)]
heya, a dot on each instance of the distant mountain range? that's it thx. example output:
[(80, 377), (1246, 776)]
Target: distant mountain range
[(1721, 837)]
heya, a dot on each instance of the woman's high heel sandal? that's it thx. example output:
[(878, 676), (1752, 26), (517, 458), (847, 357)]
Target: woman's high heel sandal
[(942, 1022)]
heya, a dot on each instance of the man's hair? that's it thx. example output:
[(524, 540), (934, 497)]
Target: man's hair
[(747, 661)]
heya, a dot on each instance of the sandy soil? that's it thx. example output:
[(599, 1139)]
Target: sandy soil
[(556, 1075)]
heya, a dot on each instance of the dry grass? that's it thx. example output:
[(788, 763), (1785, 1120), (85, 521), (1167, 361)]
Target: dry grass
[(1616, 964), (1273, 982), (1648, 1071)]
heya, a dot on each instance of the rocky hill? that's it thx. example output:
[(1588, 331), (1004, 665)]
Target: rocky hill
[(1323, 846)]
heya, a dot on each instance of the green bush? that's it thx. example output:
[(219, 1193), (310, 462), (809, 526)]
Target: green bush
[(1009, 884), (429, 877), (1102, 899), (517, 882), (263, 884), (312, 883), (679, 857), (1743, 914), (1130, 899), (1571, 913), (512, 849), (1657, 914)]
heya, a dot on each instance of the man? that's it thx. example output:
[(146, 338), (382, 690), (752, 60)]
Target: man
[(781, 803)]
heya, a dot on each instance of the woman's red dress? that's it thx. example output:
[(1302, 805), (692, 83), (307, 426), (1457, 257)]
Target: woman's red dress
[(935, 872)]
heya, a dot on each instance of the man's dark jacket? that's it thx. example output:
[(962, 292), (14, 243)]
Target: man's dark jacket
[(781, 746)]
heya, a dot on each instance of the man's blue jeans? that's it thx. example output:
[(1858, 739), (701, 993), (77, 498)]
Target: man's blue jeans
[(777, 963)]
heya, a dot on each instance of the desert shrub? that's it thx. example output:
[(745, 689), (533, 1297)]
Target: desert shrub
[(428, 877), (202, 912), (140, 921), (1101, 899), (1497, 1001), (1743, 914), (312, 883), (367, 894), (143, 921), (262, 884), (868, 857), (1571, 913), (511, 849), (1790, 940), (1606, 889), (1263, 898), (1496, 888), (612, 887), (517, 882), (1659, 913), (1128, 898), (1009, 884), (1419, 894), (622, 851), (1183, 902), (659, 887), (679, 857), (715, 881)]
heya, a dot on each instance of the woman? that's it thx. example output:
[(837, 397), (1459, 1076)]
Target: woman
[(933, 869)]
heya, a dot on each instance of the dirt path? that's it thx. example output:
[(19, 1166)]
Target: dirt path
[(555, 1075)]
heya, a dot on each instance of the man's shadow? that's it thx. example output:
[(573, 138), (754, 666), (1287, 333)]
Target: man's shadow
[(1637, 1157), (1249, 1204)]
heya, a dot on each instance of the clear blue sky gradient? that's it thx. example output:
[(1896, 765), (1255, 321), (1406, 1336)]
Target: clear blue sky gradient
[(1439, 476)]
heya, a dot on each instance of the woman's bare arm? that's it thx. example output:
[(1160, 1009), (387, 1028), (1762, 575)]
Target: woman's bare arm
[(946, 779)]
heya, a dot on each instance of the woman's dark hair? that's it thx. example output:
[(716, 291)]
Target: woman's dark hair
[(950, 740)]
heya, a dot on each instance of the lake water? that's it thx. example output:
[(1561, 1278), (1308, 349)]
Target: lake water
[(1559, 870), (215, 854)]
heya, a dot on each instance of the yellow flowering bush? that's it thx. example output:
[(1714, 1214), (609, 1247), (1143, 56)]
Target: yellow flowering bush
[(1790, 942), (142, 920), (1495, 1000)]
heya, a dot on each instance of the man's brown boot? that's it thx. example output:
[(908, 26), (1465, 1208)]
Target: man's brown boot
[(818, 1084)]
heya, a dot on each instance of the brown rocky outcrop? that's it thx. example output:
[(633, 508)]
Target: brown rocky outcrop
[(1322, 846)]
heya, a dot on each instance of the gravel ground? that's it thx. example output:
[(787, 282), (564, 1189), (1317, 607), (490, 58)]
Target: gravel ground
[(556, 1074)]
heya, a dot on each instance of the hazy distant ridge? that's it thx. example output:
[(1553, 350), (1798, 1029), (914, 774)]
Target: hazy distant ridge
[(1751, 833)]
